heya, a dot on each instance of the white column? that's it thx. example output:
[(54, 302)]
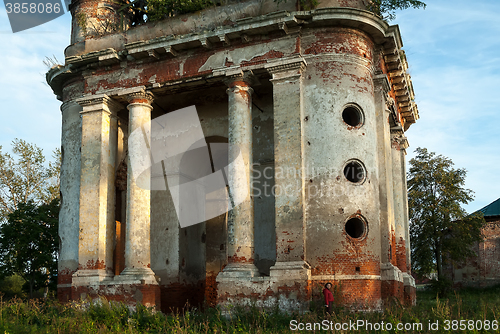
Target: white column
[(399, 191), (404, 145), (387, 228), (97, 188), (241, 217), (383, 103), (137, 235), (69, 215), (290, 212)]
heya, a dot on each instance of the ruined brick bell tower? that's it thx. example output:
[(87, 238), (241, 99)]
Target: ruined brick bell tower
[(317, 102)]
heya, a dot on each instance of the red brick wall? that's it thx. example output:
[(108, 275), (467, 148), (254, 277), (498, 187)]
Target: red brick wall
[(410, 295), (361, 294), (176, 296), (391, 290), (484, 269), (401, 255)]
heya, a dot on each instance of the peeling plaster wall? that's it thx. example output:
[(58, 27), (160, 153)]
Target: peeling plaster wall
[(339, 74), (70, 197)]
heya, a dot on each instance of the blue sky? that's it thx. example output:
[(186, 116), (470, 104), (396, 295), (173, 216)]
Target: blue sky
[(453, 49)]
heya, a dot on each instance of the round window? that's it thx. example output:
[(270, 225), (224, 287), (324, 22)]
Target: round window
[(352, 116), (354, 171), (355, 227)]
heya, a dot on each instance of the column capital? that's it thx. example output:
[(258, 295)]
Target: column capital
[(399, 141), (144, 97), (67, 105), (241, 79), (403, 143), (287, 65), (101, 102), (381, 81), (286, 69), (389, 103)]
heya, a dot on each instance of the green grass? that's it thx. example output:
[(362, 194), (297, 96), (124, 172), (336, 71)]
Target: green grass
[(39, 316)]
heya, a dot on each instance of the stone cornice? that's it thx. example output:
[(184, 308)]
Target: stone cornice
[(295, 64), (397, 66), (99, 103), (286, 69), (57, 76), (289, 22), (165, 47)]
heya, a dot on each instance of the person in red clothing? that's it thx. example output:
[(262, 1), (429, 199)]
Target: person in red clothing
[(328, 298)]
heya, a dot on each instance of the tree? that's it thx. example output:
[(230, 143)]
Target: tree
[(387, 8), (27, 178), (440, 231), (29, 243)]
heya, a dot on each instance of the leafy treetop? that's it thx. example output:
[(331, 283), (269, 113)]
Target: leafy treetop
[(24, 177)]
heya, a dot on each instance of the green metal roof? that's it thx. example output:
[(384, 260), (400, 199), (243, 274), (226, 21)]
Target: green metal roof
[(492, 209)]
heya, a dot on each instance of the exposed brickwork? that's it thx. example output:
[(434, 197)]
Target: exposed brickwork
[(410, 295), (64, 294), (347, 264), (359, 294), (266, 294), (211, 289), (484, 269), (130, 294), (65, 276), (392, 289), (177, 296), (91, 264), (342, 41), (401, 255)]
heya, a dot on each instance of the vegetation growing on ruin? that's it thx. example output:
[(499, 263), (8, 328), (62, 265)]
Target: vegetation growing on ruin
[(46, 316), (155, 10), (387, 8)]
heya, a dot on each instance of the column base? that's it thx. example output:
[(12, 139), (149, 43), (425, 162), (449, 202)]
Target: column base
[(392, 282), (136, 285), (91, 277), (288, 287), (294, 270), (238, 270), (236, 286), (136, 276), (410, 290)]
